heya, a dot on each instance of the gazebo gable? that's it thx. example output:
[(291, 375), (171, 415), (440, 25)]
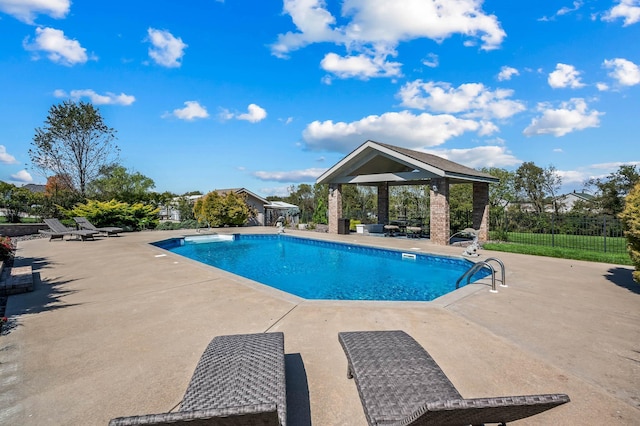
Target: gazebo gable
[(374, 162)]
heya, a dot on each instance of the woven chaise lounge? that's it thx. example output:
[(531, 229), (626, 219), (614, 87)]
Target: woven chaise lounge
[(239, 380), (400, 384), (109, 231), (58, 230)]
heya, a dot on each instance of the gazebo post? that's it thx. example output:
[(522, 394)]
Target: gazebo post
[(335, 206), (439, 223), (481, 210), (383, 203)]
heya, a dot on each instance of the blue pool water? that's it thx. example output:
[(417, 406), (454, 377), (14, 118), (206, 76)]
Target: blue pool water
[(314, 269)]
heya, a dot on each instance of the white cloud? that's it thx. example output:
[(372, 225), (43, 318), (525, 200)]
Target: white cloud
[(278, 191), (5, 157), (58, 48), (625, 72), (306, 175), (603, 87), (572, 177), (107, 99), (190, 112), (472, 99), (482, 156), (629, 10), (165, 50), (565, 76), (431, 60), (26, 10), (403, 128), (22, 176), (374, 28), (360, 66), (254, 114), (507, 72), (570, 117), (565, 10)]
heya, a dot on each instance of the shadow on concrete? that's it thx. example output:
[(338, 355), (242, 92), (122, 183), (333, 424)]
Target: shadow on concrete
[(298, 406), (623, 277), (45, 297)]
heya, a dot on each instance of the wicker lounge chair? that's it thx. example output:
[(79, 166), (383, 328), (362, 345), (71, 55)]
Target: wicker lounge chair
[(239, 380), (400, 384), (109, 231), (58, 230)]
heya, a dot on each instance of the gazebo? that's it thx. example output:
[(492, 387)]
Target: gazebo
[(382, 165)]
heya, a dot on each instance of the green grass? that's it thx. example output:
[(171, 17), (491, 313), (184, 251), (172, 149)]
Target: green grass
[(560, 252), (580, 242)]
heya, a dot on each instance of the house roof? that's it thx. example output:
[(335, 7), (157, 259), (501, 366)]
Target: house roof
[(33, 187), (280, 205), (375, 162), (241, 191)]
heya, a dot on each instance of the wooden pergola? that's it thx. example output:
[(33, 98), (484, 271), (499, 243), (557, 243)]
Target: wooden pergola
[(382, 165)]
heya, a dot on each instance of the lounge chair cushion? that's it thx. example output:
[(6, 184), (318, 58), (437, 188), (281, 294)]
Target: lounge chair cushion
[(239, 380), (399, 383)]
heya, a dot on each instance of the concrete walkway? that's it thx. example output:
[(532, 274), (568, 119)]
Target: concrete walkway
[(115, 327)]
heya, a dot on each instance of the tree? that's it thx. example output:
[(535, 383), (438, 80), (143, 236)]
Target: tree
[(16, 201), (302, 196), (58, 193), (536, 185), (220, 210), (117, 183), (74, 142), (630, 217), (503, 192), (612, 190)]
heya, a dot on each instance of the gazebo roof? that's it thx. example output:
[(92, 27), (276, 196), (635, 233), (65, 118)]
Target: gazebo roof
[(375, 162)]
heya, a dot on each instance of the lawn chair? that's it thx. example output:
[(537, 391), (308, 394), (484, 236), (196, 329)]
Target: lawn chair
[(239, 380), (58, 230), (400, 384), (109, 231)]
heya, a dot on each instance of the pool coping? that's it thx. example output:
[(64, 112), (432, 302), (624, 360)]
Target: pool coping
[(441, 301)]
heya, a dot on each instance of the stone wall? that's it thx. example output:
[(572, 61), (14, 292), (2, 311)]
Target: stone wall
[(20, 229)]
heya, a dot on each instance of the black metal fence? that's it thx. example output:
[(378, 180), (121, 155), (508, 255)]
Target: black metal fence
[(565, 230)]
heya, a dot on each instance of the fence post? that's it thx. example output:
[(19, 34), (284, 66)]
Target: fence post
[(553, 233), (604, 232)]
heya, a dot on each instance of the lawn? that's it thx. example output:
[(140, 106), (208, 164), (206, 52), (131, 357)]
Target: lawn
[(579, 247)]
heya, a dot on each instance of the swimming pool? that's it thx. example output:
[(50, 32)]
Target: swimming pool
[(314, 269)]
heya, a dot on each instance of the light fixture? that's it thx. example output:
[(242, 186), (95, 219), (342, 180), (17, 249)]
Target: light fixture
[(434, 188)]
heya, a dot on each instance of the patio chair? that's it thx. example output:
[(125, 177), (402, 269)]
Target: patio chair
[(239, 380), (400, 384), (58, 230), (109, 231)]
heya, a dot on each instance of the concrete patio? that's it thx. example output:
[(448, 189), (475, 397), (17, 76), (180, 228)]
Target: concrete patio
[(115, 327)]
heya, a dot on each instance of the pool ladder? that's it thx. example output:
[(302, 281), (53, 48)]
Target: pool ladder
[(485, 264)]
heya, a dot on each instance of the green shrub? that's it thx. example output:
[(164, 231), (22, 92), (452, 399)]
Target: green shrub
[(630, 217), (221, 210), (185, 224), (130, 217)]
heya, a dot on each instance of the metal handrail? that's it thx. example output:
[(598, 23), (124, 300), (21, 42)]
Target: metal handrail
[(476, 267), (499, 262)]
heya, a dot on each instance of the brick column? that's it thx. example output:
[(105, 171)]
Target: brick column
[(383, 203), (335, 206), (481, 209), (439, 211)]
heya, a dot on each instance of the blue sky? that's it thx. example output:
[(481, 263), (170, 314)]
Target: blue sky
[(208, 94)]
